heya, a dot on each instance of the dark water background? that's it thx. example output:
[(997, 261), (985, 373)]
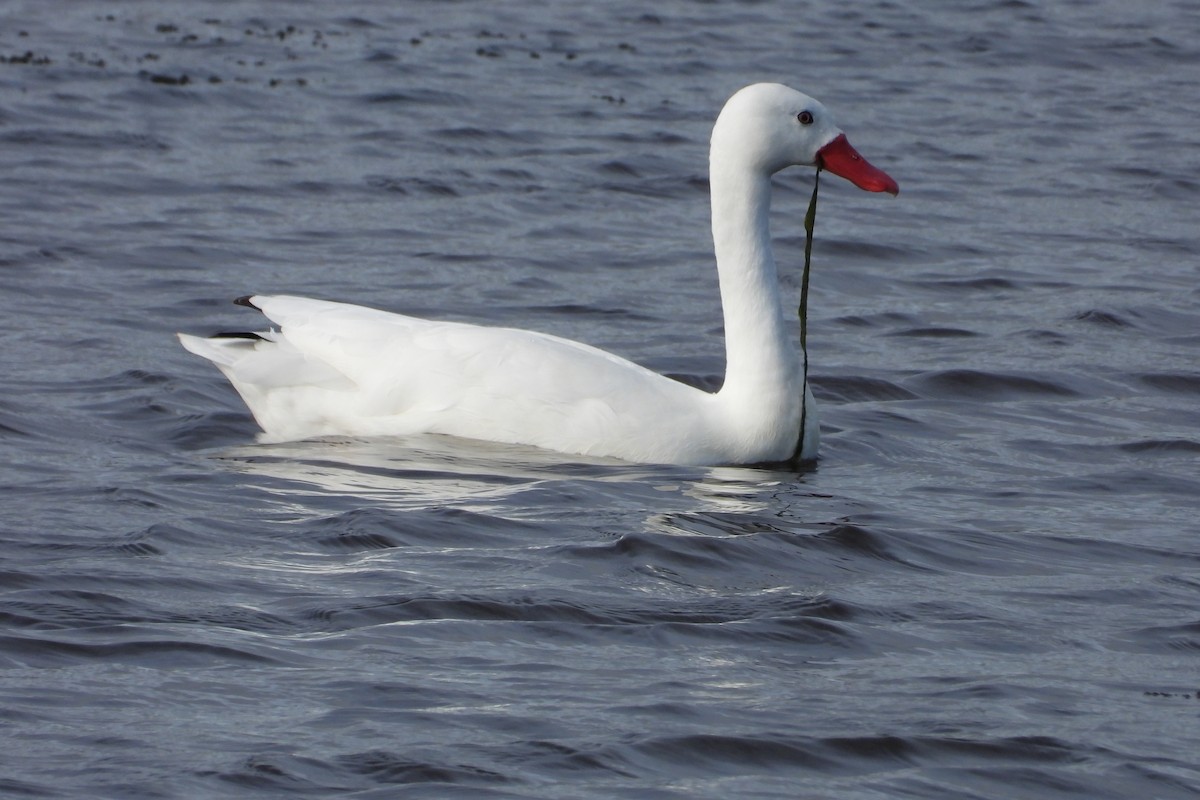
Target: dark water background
[(989, 588)]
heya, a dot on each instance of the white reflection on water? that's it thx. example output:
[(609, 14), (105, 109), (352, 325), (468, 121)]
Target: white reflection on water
[(427, 471)]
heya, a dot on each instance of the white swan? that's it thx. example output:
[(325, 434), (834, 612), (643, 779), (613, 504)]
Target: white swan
[(333, 368)]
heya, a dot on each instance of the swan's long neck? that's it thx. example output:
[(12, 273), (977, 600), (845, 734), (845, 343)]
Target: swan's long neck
[(762, 365)]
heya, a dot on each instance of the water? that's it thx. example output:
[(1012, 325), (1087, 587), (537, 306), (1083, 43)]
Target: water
[(988, 588)]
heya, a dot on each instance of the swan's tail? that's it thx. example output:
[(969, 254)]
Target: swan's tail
[(264, 361), (223, 349)]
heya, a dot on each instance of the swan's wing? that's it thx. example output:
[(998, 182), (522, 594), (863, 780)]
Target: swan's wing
[(336, 368), (398, 355)]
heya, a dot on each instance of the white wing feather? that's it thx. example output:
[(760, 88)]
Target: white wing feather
[(337, 368)]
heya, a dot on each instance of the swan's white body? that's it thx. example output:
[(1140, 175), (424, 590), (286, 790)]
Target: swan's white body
[(332, 368)]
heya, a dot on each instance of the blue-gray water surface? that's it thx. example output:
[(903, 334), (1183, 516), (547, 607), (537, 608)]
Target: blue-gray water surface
[(988, 587)]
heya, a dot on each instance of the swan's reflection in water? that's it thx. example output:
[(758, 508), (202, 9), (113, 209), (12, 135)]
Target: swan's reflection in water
[(508, 515), (437, 471)]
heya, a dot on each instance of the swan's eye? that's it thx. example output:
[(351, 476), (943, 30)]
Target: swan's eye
[(805, 117)]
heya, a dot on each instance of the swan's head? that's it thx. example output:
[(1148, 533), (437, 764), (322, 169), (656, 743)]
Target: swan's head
[(768, 127)]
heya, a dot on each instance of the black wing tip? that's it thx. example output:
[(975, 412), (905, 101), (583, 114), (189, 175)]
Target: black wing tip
[(245, 301), (239, 335)]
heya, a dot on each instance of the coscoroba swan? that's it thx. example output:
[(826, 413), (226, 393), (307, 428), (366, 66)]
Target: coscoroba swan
[(336, 369)]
